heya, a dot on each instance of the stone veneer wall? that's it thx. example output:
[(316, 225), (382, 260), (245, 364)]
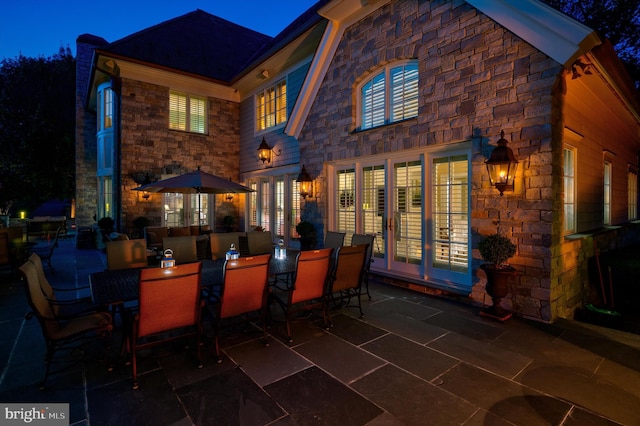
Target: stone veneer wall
[(476, 79), (148, 146), (86, 141)]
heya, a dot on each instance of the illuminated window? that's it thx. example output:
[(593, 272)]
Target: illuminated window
[(607, 194), (632, 190), (187, 113), (345, 201), (450, 213), (389, 96), (569, 177), (271, 106)]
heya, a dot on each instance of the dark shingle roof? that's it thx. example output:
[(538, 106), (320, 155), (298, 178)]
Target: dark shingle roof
[(197, 43)]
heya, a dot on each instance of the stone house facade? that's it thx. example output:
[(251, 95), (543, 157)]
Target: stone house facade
[(575, 134)]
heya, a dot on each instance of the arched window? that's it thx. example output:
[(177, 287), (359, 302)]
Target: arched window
[(389, 96)]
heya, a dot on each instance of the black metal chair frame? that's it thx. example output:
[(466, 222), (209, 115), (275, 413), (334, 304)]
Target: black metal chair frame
[(347, 276)]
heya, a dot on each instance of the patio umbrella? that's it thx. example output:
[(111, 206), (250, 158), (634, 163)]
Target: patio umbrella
[(196, 182)]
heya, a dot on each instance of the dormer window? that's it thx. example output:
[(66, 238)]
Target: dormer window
[(389, 96)]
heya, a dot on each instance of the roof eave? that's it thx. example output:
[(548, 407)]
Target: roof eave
[(552, 32)]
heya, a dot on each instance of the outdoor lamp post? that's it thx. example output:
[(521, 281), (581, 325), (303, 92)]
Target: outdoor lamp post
[(306, 183), (264, 151), (502, 166)]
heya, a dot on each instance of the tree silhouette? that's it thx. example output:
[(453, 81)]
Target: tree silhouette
[(37, 127), (617, 20)]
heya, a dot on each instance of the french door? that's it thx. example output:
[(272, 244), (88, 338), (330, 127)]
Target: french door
[(418, 208)]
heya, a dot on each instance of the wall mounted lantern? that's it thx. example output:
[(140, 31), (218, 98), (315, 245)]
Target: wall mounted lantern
[(265, 151), (306, 183), (229, 197), (502, 166), (143, 195)]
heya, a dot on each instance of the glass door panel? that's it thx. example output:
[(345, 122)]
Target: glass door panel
[(279, 208), (374, 218), (450, 217), (199, 209), (345, 202), (173, 209), (406, 222)]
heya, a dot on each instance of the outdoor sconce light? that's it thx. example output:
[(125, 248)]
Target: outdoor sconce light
[(229, 197), (145, 194), (502, 166), (264, 151), (306, 183)]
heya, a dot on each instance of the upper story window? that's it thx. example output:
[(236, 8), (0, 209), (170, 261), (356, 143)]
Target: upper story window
[(105, 107), (105, 130), (187, 112), (389, 96), (271, 106)]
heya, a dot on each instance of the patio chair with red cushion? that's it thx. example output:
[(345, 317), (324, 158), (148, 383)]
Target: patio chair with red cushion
[(309, 288), (346, 280), (169, 301), (244, 291)]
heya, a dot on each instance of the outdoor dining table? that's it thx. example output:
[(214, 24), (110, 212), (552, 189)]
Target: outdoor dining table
[(120, 286)]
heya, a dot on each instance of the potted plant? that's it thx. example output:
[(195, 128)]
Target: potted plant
[(495, 250), (307, 233)]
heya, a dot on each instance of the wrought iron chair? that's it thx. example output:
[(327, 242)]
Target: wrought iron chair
[(46, 253), (309, 288), (357, 239), (244, 290), (334, 240), (185, 249), (259, 242), (169, 300), (64, 301), (125, 254), (61, 332), (220, 242), (346, 280)]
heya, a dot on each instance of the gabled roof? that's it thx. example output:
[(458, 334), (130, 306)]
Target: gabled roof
[(302, 23), (552, 32), (196, 43)]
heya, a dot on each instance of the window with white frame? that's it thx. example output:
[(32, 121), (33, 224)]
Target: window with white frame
[(279, 219), (295, 208), (187, 112), (346, 201), (271, 106), (253, 205), (607, 194), (265, 205), (569, 178), (389, 96), (632, 193), (275, 205), (450, 213), (105, 108)]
